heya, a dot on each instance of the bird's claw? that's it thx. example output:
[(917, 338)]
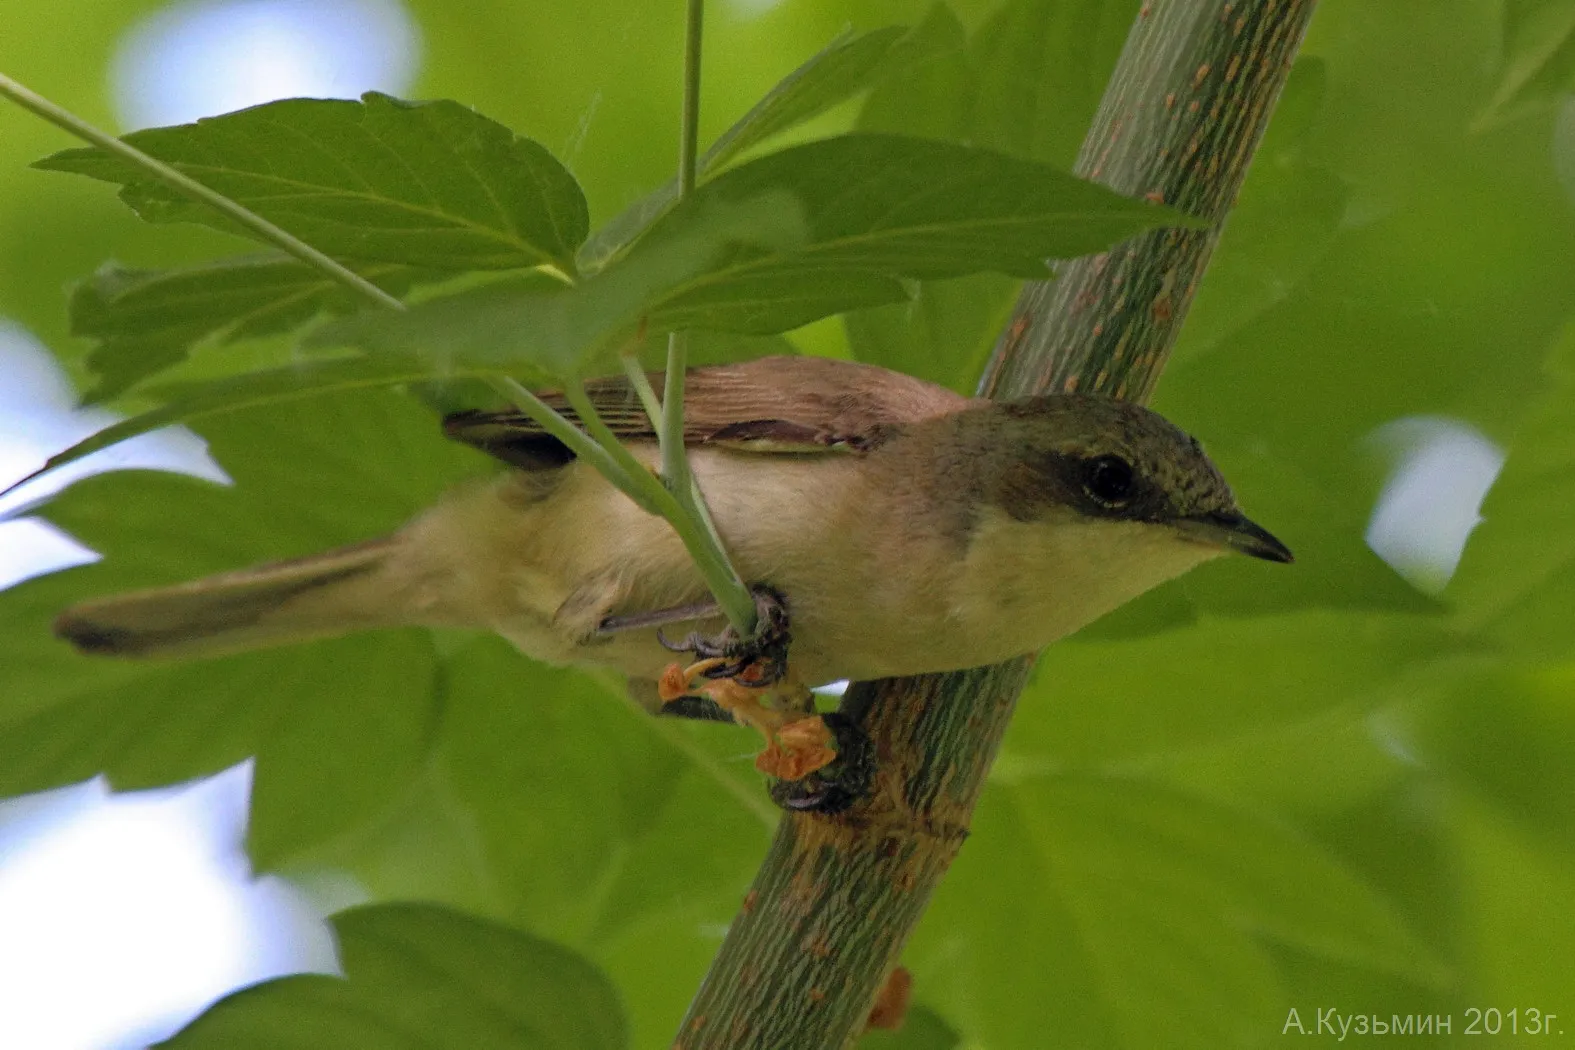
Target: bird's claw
[(757, 662), (832, 787), (736, 676)]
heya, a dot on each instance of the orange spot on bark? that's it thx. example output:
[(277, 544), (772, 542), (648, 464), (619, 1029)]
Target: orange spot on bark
[(1198, 77), (750, 900), (1154, 197)]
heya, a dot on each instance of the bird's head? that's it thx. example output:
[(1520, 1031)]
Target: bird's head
[(1077, 457), (1079, 504)]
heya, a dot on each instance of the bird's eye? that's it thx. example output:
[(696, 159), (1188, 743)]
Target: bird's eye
[(1108, 479)]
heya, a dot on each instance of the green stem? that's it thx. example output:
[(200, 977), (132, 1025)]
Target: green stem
[(643, 389), (675, 461), (279, 238), (689, 123), (583, 445), (705, 545), (691, 522), (675, 467)]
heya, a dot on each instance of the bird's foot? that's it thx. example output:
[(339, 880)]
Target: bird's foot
[(758, 662), (798, 742), (836, 786)]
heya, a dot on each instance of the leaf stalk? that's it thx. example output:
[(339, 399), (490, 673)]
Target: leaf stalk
[(698, 530), (282, 239)]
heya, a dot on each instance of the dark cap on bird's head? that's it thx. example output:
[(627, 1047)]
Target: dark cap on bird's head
[(1114, 460)]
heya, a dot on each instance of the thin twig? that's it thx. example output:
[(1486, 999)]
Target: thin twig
[(185, 184), (730, 590)]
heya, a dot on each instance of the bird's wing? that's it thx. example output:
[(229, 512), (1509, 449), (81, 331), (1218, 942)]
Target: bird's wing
[(769, 405)]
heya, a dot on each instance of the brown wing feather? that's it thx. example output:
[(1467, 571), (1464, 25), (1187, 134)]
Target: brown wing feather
[(772, 404)]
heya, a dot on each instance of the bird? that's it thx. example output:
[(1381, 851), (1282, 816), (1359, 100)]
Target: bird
[(906, 528)]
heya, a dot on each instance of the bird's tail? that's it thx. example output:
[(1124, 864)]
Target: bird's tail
[(319, 596)]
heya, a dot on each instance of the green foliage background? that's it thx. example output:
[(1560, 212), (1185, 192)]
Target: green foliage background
[(1253, 790)]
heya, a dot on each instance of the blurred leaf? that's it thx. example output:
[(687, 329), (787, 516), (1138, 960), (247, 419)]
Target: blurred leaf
[(1284, 669), (945, 330), (585, 820), (778, 242), (1512, 898), (338, 728), (147, 320), (431, 184), (923, 1029), (1291, 213), (929, 86), (1323, 520), (834, 74), (420, 976), (944, 333), (1286, 217), (1027, 84), (1509, 739), (1144, 909), (1538, 62), (1516, 580), (187, 402), (1042, 66)]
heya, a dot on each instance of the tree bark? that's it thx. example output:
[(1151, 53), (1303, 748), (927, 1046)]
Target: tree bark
[(837, 896)]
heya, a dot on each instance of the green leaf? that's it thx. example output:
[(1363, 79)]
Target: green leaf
[(337, 728), (1026, 85), (1511, 893), (1284, 669), (929, 86), (834, 74), (1516, 578), (925, 209), (1286, 218), (430, 184), (923, 1029), (1148, 910), (944, 333), (1507, 738), (780, 241), (945, 330), (1042, 66), (147, 320), (558, 805), (592, 778), (188, 402), (1538, 62), (569, 330), (421, 977)]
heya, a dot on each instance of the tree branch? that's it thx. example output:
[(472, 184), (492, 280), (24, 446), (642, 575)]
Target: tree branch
[(837, 896)]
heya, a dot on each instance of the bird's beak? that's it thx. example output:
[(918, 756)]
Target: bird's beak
[(1235, 532)]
